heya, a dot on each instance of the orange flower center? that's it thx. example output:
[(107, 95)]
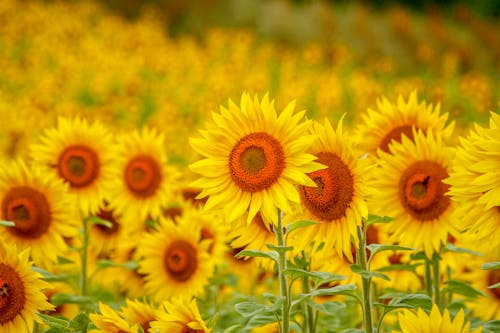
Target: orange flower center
[(79, 165), (143, 176), (422, 192), (334, 192), (187, 329), (256, 162), (28, 209), (12, 294), (172, 213), (396, 134), (207, 234), (181, 260), (494, 278), (190, 194)]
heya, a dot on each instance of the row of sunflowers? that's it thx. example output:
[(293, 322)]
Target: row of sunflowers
[(269, 218)]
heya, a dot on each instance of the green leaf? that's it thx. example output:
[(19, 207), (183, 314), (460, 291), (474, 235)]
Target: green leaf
[(372, 219), (327, 307), (376, 248), (366, 274), (452, 248), (232, 329), (418, 256), (7, 224), (63, 260), (61, 298), (344, 289), (54, 330), (98, 221), (49, 277), (262, 254), (494, 286), (80, 322), (491, 265), (462, 288), (411, 301), (129, 265), (249, 309), (279, 249), (352, 330), (58, 323), (299, 224), (492, 326), (260, 320), (319, 278)]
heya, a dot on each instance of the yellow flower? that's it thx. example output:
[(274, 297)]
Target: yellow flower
[(174, 260), (410, 188), (21, 291), (139, 313), (180, 315), (435, 322), (108, 321), (253, 159), (81, 154), (37, 202), (338, 200)]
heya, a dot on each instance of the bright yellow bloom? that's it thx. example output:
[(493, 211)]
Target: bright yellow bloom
[(108, 321), (140, 313), (180, 315)]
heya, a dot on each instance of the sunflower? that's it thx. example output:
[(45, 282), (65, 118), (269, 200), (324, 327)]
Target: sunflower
[(21, 291), (81, 154), (37, 202), (140, 313), (475, 185), (337, 200), (435, 322), (253, 159), (66, 310), (143, 180), (184, 261), (180, 315), (393, 121), (411, 190), (109, 321)]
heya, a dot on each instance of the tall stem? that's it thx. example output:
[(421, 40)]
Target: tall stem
[(366, 281), (437, 282), (84, 252), (282, 276), (428, 277), (306, 287)]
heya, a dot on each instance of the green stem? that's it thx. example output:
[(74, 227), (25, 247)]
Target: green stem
[(84, 254), (306, 287), (428, 277), (436, 282), (366, 281), (282, 276)]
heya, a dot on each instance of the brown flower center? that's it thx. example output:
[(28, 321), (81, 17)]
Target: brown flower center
[(494, 278), (181, 260), (256, 162), (334, 192), (28, 209), (396, 134), (190, 194), (187, 329), (143, 176), (12, 294), (109, 216), (208, 234), (422, 191), (79, 165)]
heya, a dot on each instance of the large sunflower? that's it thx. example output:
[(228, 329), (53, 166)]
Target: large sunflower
[(393, 121), (21, 291), (475, 185), (174, 260), (435, 322), (253, 159), (143, 181), (81, 154), (337, 201), (37, 202), (180, 315)]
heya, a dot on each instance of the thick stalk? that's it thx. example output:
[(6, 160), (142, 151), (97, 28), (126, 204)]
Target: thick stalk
[(428, 277), (436, 282), (282, 276), (84, 253), (309, 313), (366, 281)]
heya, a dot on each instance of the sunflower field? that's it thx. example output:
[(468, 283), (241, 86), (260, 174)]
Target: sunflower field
[(249, 166)]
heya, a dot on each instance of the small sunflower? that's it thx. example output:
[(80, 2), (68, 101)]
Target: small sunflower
[(337, 200), (475, 185), (38, 204), (253, 159), (140, 313), (109, 321), (393, 121), (81, 154), (21, 291), (180, 315), (410, 188), (435, 322), (174, 260), (143, 180)]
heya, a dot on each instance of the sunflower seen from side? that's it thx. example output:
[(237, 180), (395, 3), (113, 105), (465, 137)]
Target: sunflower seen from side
[(144, 183), (435, 322), (392, 121), (82, 155), (253, 157), (109, 321), (174, 260), (475, 185), (21, 291), (38, 204), (180, 315), (140, 313), (409, 187), (337, 201)]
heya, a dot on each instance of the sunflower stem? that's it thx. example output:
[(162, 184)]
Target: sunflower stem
[(83, 276), (428, 277), (436, 282), (366, 282), (306, 287), (282, 276)]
